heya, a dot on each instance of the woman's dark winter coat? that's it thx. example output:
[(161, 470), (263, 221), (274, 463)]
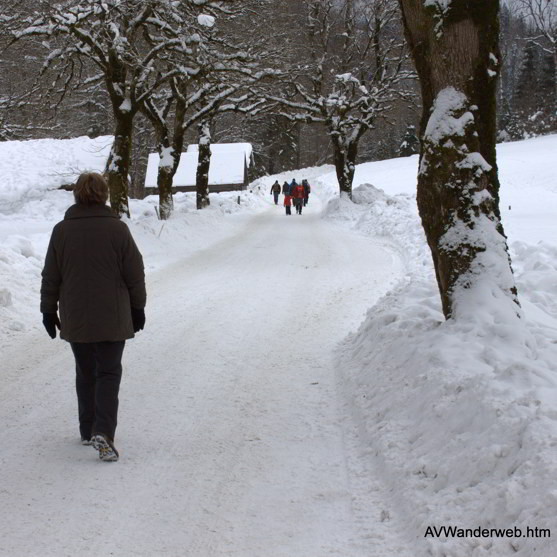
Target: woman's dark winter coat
[(94, 270)]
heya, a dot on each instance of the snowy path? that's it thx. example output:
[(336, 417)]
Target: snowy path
[(231, 438)]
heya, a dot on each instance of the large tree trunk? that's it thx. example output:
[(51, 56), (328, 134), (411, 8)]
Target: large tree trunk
[(455, 48), (118, 164), (203, 164)]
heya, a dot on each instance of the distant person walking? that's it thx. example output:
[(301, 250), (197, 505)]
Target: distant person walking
[(286, 189), (275, 190), (307, 190), (93, 273), (288, 204), (298, 194)]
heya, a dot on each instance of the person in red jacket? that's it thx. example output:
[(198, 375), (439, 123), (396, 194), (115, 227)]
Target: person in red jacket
[(298, 193), (288, 204)]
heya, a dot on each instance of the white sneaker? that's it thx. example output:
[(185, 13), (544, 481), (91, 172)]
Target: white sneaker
[(107, 450)]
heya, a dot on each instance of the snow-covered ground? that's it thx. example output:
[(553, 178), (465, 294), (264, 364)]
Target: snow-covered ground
[(262, 411), (461, 418)]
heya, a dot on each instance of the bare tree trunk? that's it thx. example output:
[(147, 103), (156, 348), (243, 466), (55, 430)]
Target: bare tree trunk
[(167, 165), (203, 164), (120, 158), (345, 152), (345, 160), (165, 178), (455, 48), (118, 164), (170, 155)]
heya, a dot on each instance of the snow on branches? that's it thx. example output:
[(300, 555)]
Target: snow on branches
[(138, 47), (356, 74)]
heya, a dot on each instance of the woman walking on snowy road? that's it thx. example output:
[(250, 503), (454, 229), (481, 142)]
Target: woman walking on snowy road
[(94, 272)]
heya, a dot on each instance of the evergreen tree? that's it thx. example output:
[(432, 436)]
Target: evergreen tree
[(526, 89), (410, 144), (548, 81)]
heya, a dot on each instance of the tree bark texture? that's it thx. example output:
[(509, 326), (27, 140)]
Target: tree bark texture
[(170, 152), (345, 161), (165, 176), (456, 52), (118, 164), (203, 164)]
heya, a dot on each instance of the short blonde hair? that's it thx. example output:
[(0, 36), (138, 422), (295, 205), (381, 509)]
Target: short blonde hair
[(91, 189)]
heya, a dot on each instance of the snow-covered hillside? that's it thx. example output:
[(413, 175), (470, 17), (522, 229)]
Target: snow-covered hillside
[(440, 424)]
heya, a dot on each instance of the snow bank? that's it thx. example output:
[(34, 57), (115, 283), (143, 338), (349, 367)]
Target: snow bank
[(28, 168), (392, 219), (460, 417), (461, 421)]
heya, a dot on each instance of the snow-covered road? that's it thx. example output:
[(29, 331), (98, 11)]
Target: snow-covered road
[(231, 436)]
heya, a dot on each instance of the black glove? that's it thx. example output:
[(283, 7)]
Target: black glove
[(50, 322), (138, 319)]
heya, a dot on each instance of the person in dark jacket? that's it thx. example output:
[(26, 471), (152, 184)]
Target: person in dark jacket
[(286, 189), (307, 191), (275, 190), (93, 274)]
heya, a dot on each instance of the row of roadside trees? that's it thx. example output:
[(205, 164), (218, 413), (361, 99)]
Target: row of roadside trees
[(153, 73), (182, 64), (171, 62), (160, 58)]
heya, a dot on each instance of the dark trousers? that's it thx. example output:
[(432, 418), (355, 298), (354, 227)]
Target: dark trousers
[(288, 211), (98, 367), (276, 196)]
